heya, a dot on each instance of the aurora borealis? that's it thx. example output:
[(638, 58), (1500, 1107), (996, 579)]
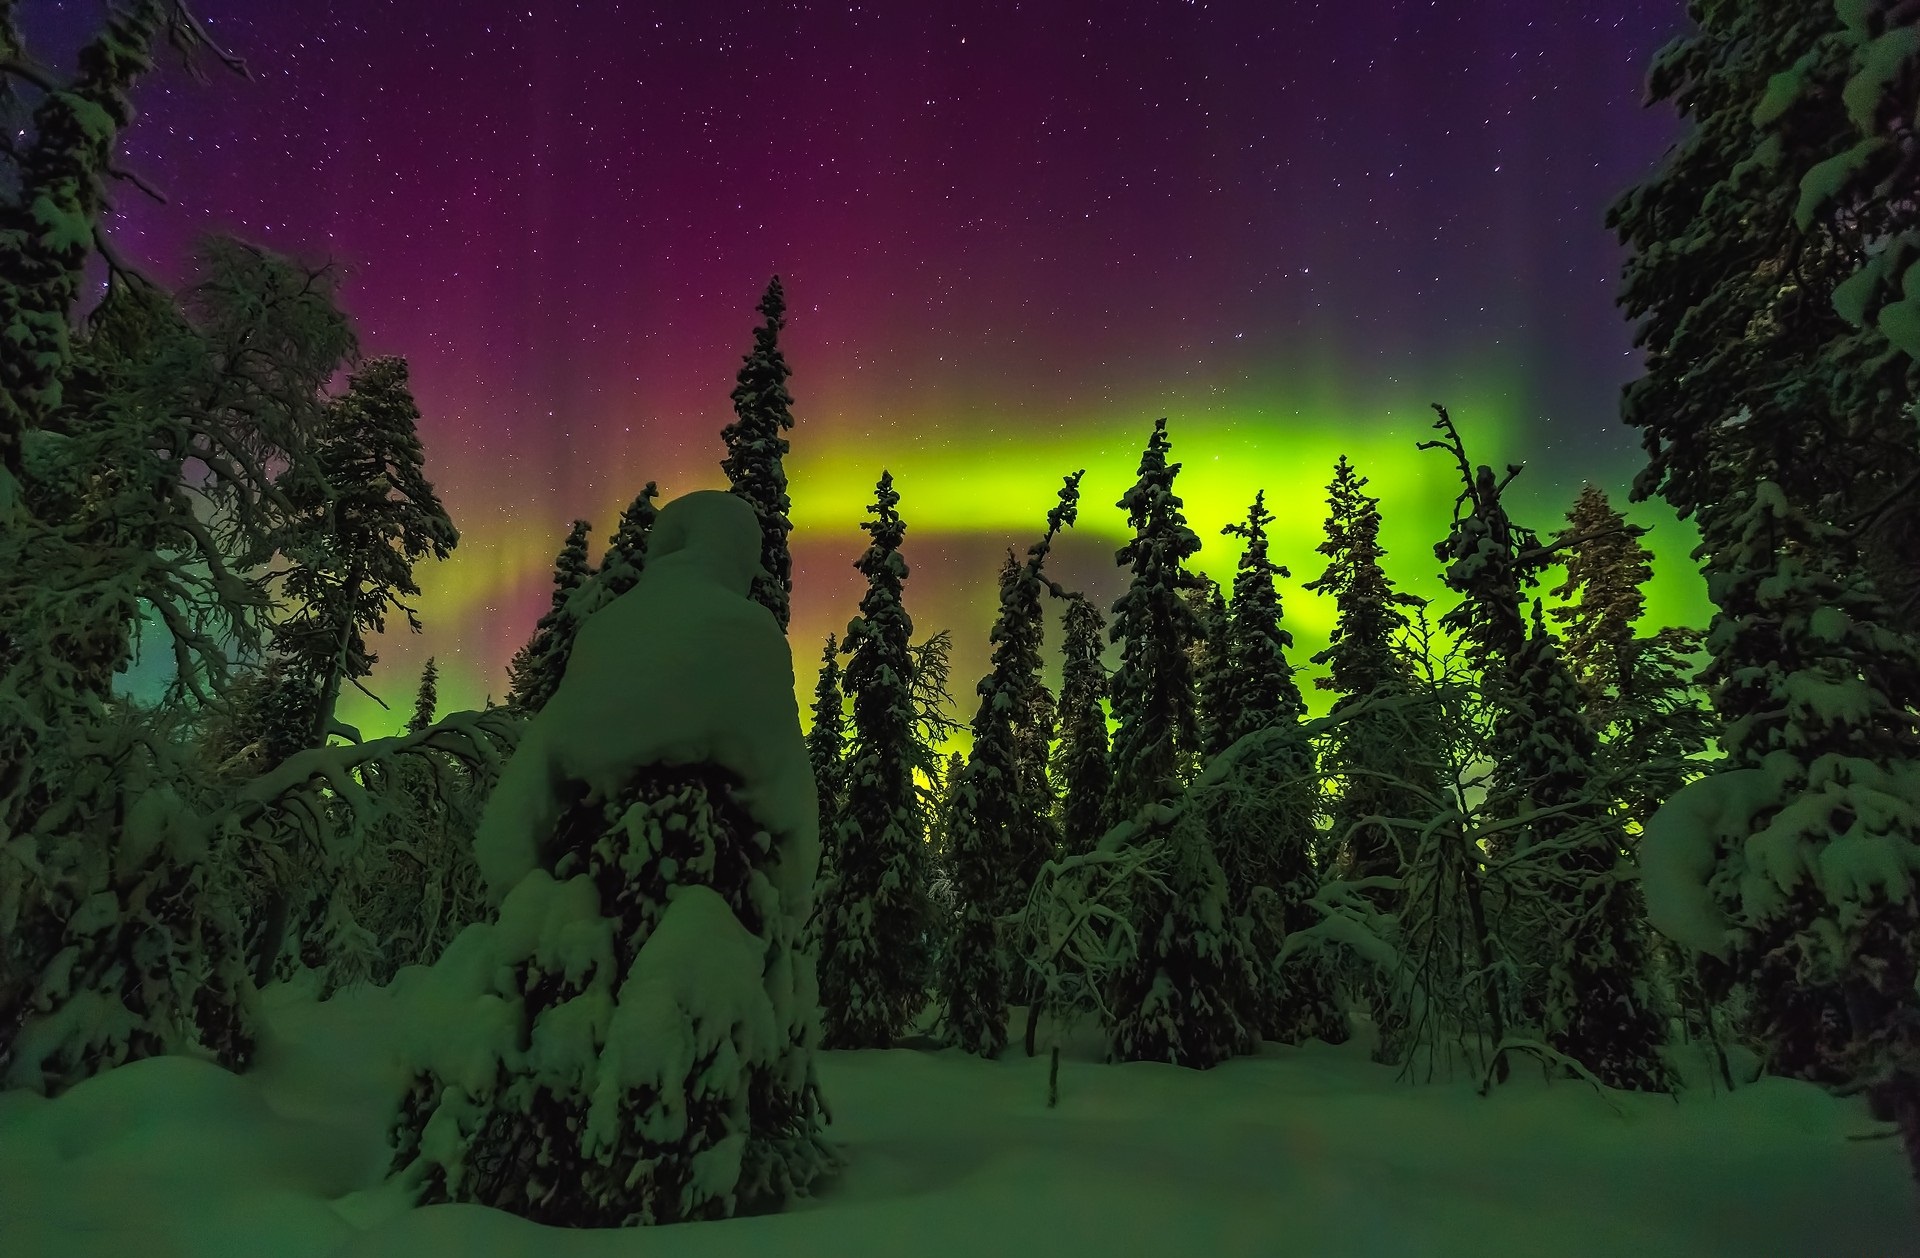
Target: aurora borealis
[(1011, 234)]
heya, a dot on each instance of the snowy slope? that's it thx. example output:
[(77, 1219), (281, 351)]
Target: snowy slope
[(1302, 1151)]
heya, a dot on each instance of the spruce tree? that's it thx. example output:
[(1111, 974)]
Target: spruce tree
[(827, 749), (1362, 664), (1084, 774), (1786, 848), (427, 699), (1212, 702), (1260, 690), (626, 556), (1582, 923), (1598, 1008), (367, 515), (1187, 992), (652, 1059), (1265, 839), (1634, 687), (536, 669), (1153, 700), (756, 450), (1762, 272), (874, 916), (996, 829)]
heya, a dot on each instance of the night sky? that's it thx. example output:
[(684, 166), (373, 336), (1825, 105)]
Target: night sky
[(1011, 234)]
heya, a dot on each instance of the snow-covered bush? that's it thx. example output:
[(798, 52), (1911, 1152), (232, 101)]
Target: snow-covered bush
[(632, 1040)]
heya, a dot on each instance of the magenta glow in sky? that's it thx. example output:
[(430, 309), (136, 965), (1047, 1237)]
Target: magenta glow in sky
[(1011, 236)]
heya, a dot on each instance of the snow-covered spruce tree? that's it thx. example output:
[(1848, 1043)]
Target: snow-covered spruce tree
[(756, 449), (1185, 991), (632, 1041), (426, 700), (1084, 777), (1153, 701), (996, 825), (873, 916), (1261, 806), (1212, 705), (1562, 894), (1260, 689), (1781, 867), (1569, 880), (827, 749), (1635, 688), (1363, 755), (1033, 741), (366, 515), (535, 671), (626, 555), (1762, 257)]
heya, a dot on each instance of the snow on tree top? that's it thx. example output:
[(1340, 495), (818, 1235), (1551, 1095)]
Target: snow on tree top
[(682, 669)]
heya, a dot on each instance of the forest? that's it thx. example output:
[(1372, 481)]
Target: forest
[(1523, 838)]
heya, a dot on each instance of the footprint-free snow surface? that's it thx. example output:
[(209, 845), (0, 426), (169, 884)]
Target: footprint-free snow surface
[(1311, 1151)]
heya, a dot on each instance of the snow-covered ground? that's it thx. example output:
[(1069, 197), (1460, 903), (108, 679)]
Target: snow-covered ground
[(1302, 1151)]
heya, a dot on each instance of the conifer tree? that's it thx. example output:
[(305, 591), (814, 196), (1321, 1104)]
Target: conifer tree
[(995, 829), (367, 515), (427, 699), (1153, 700), (1634, 687), (1598, 1009), (1763, 257), (653, 1060), (1582, 920), (874, 915), (626, 556), (827, 749), (1084, 775), (535, 671), (756, 450), (1363, 753), (1187, 991), (1265, 840), (1033, 741), (1212, 702), (1260, 690), (1777, 866)]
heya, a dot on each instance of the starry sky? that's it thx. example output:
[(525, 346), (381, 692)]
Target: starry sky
[(1011, 234)]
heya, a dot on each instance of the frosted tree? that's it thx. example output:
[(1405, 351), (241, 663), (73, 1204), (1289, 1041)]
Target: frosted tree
[(827, 748), (1635, 688), (1153, 701), (366, 516), (1778, 867), (1762, 261), (1566, 908), (756, 449), (60, 156), (637, 1030), (1212, 704), (626, 555), (535, 671), (1260, 688), (1363, 755), (136, 457), (426, 699), (1084, 776), (997, 827), (874, 915), (1185, 991)]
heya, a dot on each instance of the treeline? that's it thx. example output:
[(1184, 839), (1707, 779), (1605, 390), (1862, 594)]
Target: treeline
[(1175, 849)]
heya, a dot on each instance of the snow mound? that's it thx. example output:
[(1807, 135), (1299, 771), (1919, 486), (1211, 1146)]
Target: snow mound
[(682, 669)]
